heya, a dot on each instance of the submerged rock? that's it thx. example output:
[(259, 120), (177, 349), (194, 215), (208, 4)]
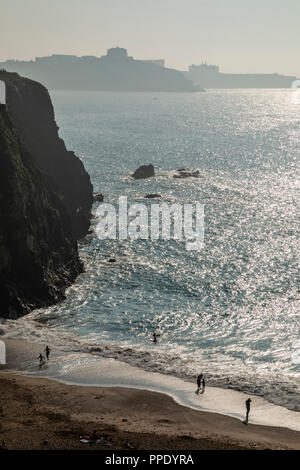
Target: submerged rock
[(144, 171), (152, 196), (98, 197)]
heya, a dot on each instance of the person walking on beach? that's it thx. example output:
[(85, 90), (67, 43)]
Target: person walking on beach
[(47, 351), (247, 409), (199, 380), (42, 360), (203, 385)]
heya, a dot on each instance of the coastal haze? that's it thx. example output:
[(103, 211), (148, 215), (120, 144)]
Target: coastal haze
[(258, 36)]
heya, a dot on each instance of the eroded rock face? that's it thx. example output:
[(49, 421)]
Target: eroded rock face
[(38, 251), (29, 105), (144, 171)]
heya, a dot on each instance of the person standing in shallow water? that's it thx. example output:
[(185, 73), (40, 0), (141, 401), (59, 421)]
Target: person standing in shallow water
[(42, 360), (203, 385), (247, 410), (199, 379), (47, 351)]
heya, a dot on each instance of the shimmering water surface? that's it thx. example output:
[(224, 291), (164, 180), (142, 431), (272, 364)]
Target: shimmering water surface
[(229, 310)]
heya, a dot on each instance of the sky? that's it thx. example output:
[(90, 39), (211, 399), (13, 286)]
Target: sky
[(259, 36)]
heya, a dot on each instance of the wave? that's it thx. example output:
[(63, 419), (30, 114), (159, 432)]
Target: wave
[(273, 386)]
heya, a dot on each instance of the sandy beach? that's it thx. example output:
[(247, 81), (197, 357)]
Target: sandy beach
[(38, 413)]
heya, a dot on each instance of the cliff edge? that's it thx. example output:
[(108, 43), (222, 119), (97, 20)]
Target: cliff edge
[(31, 110), (45, 202)]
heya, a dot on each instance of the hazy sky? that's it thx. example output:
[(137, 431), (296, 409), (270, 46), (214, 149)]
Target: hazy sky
[(238, 35)]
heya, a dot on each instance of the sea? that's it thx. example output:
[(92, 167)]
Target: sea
[(229, 310)]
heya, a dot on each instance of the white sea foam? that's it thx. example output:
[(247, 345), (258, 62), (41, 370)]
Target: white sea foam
[(77, 361), (87, 369)]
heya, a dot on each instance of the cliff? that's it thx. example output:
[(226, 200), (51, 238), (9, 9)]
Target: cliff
[(30, 107), (39, 223)]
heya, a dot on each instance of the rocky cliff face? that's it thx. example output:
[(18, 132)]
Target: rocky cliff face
[(30, 107), (39, 223)]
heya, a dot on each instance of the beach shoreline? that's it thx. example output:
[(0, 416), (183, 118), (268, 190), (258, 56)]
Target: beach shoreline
[(43, 413)]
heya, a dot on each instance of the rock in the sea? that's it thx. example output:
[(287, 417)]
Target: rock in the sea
[(98, 197), (152, 196), (144, 171), (112, 260), (186, 173)]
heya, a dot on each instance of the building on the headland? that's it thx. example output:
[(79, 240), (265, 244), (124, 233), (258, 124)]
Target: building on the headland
[(120, 53), (209, 76), (159, 62), (56, 59), (115, 71)]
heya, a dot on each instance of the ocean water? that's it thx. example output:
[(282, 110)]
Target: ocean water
[(229, 310)]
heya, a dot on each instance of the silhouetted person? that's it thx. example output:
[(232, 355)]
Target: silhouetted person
[(42, 360), (247, 409), (199, 379), (203, 386), (47, 351), (155, 335), (3, 446)]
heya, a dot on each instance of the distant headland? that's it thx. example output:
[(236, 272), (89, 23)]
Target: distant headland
[(115, 71), (209, 76)]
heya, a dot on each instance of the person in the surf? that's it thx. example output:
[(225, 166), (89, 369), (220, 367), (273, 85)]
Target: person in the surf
[(47, 351), (199, 379), (248, 401), (155, 335), (203, 385), (42, 360)]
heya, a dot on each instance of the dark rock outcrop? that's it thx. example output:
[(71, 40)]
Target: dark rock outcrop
[(144, 171), (98, 197), (38, 251), (186, 173), (152, 196), (31, 110)]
